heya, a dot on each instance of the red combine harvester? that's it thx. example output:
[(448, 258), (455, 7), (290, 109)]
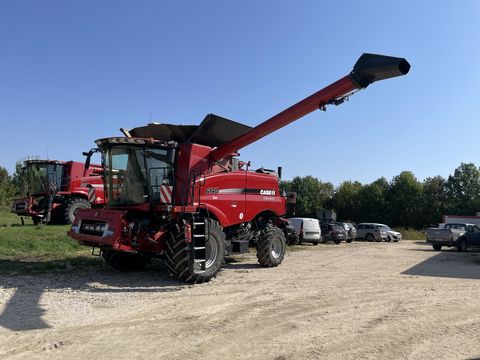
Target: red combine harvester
[(180, 192), (56, 190)]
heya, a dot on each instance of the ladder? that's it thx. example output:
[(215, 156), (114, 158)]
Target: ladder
[(198, 254), (51, 191)]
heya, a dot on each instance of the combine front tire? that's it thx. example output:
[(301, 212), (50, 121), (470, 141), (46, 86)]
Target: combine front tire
[(73, 205), (271, 247), (177, 254)]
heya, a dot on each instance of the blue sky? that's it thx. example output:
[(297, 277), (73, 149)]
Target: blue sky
[(74, 71)]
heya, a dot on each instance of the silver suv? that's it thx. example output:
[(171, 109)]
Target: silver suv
[(371, 232)]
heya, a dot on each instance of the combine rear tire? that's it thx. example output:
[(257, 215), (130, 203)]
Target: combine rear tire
[(271, 246), (125, 261), (73, 205), (178, 252)]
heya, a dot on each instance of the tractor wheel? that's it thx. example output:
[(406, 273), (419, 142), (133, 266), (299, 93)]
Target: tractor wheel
[(437, 247), (73, 205), (271, 246), (177, 254), (369, 237), (125, 261)]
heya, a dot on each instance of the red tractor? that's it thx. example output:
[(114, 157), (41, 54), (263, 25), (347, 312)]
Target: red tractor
[(181, 193), (56, 190)]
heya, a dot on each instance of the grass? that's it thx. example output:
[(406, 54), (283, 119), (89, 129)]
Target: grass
[(411, 234), (41, 248), (36, 241), (8, 219)]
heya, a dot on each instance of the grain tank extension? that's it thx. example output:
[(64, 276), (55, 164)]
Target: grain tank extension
[(180, 192)]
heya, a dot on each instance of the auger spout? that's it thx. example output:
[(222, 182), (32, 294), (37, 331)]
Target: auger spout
[(368, 69)]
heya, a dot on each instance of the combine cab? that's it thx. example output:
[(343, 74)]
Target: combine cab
[(56, 190), (180, 192)]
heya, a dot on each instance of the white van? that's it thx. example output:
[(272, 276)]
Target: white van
[(308, 230)]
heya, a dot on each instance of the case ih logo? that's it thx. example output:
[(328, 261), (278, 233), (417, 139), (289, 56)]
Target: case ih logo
[(265, 192)]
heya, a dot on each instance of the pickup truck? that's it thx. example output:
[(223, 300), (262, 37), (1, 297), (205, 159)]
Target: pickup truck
[(459, 235)]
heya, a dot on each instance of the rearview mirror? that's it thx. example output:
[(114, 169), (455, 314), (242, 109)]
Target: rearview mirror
[(171, 156), (89, 154)]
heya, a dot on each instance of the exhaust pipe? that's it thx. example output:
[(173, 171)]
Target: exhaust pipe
[(372, 67)]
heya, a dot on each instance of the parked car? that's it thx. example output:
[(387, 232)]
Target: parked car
[(351, 232), (308, 230), (393, 235), (333, 232), (462, 236), (371, 232)]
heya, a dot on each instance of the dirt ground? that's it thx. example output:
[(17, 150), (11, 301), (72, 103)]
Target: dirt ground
[(351, 301)]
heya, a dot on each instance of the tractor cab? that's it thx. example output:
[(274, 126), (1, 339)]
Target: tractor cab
[(137, 171), (43, 176), (42, 179)]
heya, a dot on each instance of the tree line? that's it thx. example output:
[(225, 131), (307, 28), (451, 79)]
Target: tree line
[(403, 201), (11, 186)]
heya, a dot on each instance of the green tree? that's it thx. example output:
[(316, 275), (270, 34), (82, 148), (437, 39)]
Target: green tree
[(19, 181), (346, 200), (6, 188), (404, 199), (373, 202), (312, 194), (433, 200), (463, 190)]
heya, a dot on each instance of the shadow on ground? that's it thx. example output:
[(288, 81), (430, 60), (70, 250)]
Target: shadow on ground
[(448, 263), (23, 311)]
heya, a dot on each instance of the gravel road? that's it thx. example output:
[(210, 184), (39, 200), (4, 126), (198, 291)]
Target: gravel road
[(351, 301)]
